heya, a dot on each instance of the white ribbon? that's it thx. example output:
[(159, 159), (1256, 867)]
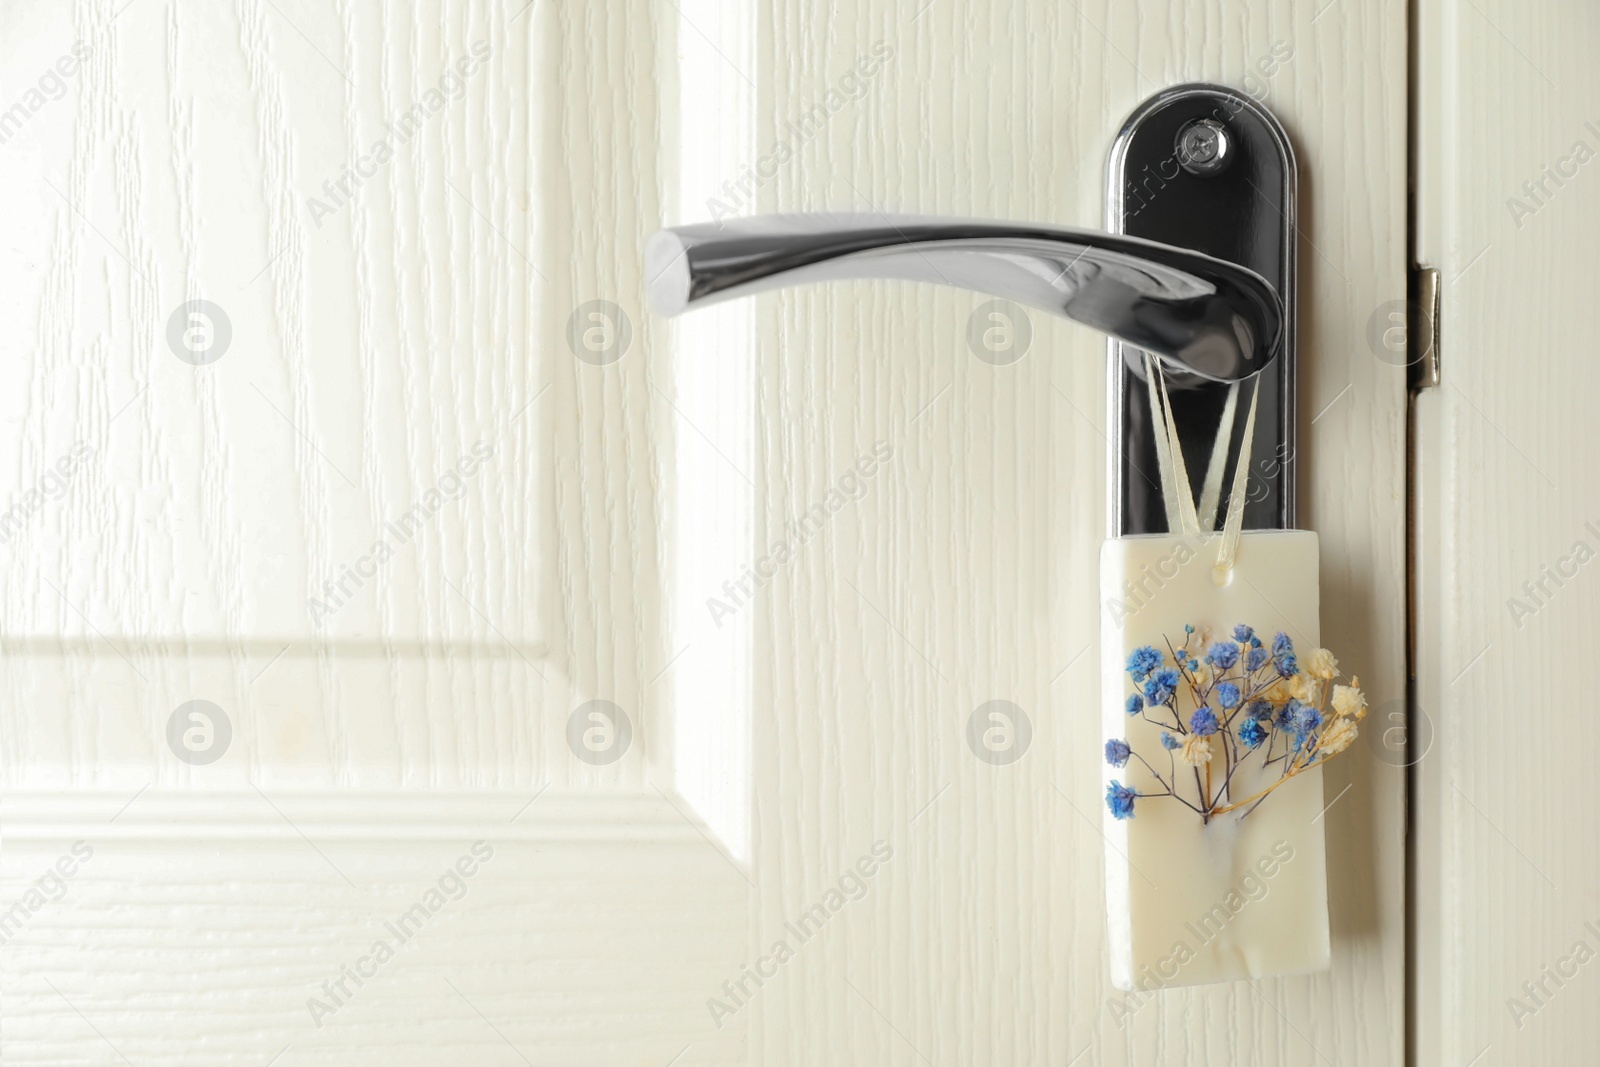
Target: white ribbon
[(1175, 489)]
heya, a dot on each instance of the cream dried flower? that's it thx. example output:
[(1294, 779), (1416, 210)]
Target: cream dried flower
[(1303, 688), (1203, 675), (1196, 751), (1320, 663), (1349, 702), (1337, 737)]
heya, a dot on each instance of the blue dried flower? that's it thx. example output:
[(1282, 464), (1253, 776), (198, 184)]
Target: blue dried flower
[(1259, 710), (1120, 798), (1243, 634), (1223, 655), (1252, 733), (1141, 661), (1203, 722), (1283, 721), (1303, 718), (1161, 686), (1117, 753), (1170, 743), (1135, 704), (1283, 657), (1228, 695), (1256, 660)]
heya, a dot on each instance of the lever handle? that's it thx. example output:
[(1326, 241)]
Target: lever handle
[(1201, 314)]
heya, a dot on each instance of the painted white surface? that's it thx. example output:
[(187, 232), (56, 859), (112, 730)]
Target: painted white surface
[(432, 709), (1237, 897), (432, 312), (712, 396), (1507, 533)]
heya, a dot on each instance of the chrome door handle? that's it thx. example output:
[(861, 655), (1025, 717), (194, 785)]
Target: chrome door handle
[(1199, 268), (1206, 315)]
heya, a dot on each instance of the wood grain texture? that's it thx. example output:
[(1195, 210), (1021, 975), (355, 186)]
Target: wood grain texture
[(372, 347), (967, 572), (433, 312), (1507, 867), (206, 951)]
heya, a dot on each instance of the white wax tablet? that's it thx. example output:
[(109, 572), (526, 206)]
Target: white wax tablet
[(1238, 898)]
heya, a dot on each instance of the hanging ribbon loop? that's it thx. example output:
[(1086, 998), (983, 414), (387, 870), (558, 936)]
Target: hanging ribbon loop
[(1175, 488)]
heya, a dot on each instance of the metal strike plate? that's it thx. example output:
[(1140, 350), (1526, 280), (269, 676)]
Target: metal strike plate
[(1207, 168)]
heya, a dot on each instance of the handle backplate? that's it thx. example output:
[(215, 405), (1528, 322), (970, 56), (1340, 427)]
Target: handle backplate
[(1165, 183)]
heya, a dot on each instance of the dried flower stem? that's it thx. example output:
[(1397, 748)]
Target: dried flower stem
[(1294, 768)]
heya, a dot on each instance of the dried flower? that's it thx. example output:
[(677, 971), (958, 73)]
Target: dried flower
[(1348, 701), (1283, 657), (1337, 737), (1252, 733), (1120, 798), (1298, 718), (1161, 686), (1196, 750), (1321, 664), (1223, 656), (1303, 687), (1303, 718), (1141, 661)]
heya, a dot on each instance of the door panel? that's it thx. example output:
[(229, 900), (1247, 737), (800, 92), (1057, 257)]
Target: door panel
[(797, 766), (380, 333), (1506, 527), (968, 571)]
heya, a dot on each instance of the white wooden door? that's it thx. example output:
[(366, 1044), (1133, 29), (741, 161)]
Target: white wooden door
[(1508, 192), (456, 541)]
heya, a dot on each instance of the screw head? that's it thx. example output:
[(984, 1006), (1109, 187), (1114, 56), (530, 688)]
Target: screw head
[(1204, 147)]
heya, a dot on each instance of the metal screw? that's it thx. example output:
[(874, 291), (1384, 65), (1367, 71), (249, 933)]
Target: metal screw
[(1204, 147)]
